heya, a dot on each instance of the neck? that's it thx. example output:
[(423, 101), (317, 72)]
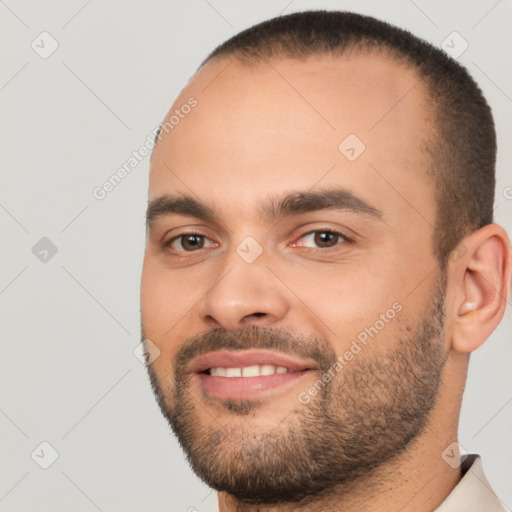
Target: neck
[(418, 480)]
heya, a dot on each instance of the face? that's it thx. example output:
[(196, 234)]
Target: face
[(289, 281)]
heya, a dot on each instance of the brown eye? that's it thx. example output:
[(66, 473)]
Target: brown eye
[(188, 242), (324, 239), (192, 242)]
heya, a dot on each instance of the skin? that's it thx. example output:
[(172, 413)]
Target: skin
[(271, 128)]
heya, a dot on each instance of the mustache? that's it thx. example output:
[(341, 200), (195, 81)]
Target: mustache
[(256, 337)]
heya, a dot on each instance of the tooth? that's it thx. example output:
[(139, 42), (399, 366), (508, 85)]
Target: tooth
[(251, 371), (248, 371), (233, 372), (267, 369)]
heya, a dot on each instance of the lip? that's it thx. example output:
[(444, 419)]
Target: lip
[(246, 388), (241, 358)]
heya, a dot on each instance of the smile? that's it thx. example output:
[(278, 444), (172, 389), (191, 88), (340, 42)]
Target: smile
[(244, 375)]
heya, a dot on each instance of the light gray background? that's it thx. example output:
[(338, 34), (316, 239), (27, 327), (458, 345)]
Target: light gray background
[(69, 326)]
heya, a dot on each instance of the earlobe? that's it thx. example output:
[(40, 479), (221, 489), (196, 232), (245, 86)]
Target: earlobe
[(483, 278)]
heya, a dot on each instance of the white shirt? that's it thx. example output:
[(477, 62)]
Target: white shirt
[(473, 493)]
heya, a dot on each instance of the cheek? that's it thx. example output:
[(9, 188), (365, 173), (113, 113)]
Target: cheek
[(162, 303), (348, 302), (169, 300), (152, 298)]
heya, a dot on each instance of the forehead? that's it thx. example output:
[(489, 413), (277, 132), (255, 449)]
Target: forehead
[(291, 124)]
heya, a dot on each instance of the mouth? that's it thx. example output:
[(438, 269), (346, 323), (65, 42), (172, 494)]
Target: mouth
[(246, 375)]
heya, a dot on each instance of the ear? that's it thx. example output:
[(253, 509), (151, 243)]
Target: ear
[(482, 281)]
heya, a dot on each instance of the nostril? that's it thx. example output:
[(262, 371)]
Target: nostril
[(247, 318)]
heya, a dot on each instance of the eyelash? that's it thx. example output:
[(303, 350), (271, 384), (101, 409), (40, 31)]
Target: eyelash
[(344, 239)]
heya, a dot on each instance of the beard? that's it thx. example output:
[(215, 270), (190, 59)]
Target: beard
[(367, 415)]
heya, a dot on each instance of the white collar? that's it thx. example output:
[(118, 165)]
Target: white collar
[(473, 493)]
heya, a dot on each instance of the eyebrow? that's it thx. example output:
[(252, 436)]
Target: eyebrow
[(293, 204)]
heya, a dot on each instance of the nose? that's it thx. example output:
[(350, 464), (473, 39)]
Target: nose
[(244, 294)]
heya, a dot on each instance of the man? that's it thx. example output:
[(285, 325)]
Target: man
[(321, 260)]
